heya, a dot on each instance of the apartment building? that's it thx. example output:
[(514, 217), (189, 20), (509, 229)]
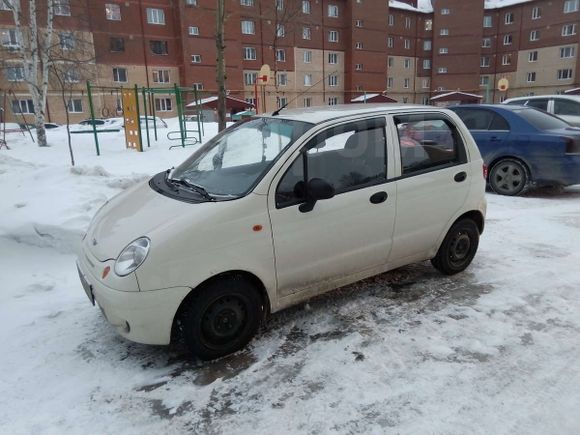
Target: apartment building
[(319, 51)]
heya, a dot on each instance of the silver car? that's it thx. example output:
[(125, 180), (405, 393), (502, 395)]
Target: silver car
[(566, 107)]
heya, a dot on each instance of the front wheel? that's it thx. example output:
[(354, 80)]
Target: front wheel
[(222, 318), (458, 248), (508, 177)]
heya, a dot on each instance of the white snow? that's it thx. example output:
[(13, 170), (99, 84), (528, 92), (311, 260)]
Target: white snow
[(492, 350), (426, 6)]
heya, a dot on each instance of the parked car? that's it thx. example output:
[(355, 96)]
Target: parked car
[(102, 125), (159, 123), (47, 125), (10, 127), (523, 146), (275, 210), (566, 107)]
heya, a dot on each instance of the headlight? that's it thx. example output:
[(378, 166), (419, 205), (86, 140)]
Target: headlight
[(132, 256)]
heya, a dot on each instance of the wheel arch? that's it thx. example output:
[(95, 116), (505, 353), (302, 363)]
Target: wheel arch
[(474, 215), (230, 274)]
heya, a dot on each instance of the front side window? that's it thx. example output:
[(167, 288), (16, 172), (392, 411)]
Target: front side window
[(232, 162), (349, 157), (538, 103), (428, 142)]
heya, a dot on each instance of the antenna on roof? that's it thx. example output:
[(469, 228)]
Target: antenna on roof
[(277, 112)]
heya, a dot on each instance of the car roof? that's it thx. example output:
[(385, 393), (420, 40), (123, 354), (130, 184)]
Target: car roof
[(318, 114), (539, 97)]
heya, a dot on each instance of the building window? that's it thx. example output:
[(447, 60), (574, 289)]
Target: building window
[(62, 8), (307, 79), (333, 36), (279, 5), (197, 86), (333, 58), (161, 76), (246, 2), (565, 74), (358, 45), (509, 18), (506, 59), (486, 43), (427, 45), (442, 70), (443, 50), (249, 53), (445, 11), (306, 33), (163, 105), (250, 78), (196, 58), (391, 20), (251, 101), (281, 101), (484, 81), (333, 11), (507, 40), (407, 44), (248, 27), (531, 77), (333, 80), (66, 40), (425, 83), (113, 11), (568, 29), (10, 38), (280, 30), (425, 100), (74, 105), (534, 35), (390, 42), (358, 67), (307, 102), (194, 2), (426, 63), (567, 52), (536, 13), (307, 56), (407, 23), (428, 25), (406, 83), (120, 75), (332, 101), (159, 47), (390, 61), (280, 55), (116, 45), (390, 82), (155, 16), (305, 6), (23, 106), (193, 31), (571, 6), (406, 63), (358, 23), (484, 63), (444, 32), (487, 21), (71, 75), (533, 56), (5, 6), (15, 73), (282, 79)]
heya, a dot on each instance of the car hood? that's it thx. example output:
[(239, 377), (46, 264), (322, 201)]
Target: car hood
[(135, 213)]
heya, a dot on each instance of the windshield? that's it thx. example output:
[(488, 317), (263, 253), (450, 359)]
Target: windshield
[(542, 120), (231, 163)]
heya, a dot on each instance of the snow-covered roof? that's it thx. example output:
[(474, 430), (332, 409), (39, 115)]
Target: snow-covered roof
[(452, 93), (363, 97), (214, 98), (573, 91), (425, 6)]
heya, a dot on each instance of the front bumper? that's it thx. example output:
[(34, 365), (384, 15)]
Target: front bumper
[(144, 317)]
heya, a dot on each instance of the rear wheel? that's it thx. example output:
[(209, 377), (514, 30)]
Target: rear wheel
[(222, 318), (508, 177), (458, 248)]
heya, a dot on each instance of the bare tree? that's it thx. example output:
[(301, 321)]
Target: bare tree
[(221, 63), (35, 40)]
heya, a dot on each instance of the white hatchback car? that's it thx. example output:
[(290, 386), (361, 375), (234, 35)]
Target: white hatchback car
[(277, 209)]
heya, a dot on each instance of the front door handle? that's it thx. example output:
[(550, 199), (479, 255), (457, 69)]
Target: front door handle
[(379, 197), (460, 176)]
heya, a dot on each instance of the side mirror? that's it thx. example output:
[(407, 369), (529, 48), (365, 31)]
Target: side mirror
[(317, 189)]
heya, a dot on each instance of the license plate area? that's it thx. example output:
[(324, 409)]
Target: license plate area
[(86, 286)]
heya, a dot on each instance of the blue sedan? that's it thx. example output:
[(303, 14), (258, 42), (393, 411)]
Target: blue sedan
[(523, 146)]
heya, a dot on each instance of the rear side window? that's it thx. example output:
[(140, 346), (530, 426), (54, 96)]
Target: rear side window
[(498, 123), (475, 119), (565, 107), (540, 103), (428, 142)]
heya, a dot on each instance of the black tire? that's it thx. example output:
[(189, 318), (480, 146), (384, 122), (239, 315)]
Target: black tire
[(222, 318), (458, 248), (509, 177)]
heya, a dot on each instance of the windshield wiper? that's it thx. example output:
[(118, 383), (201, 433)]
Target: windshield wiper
[(199, 189)]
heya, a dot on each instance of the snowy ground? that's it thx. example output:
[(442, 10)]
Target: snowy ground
[(492, 350)]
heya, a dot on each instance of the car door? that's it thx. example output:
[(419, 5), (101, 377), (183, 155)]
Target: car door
[(346, 235), (489, 130), (434, 183), (568, 110)]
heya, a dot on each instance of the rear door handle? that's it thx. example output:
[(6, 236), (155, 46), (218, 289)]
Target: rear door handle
[(379, 197), (460, 176)]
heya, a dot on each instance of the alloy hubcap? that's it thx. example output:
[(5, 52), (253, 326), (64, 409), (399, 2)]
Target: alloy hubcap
[(508, 177)]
